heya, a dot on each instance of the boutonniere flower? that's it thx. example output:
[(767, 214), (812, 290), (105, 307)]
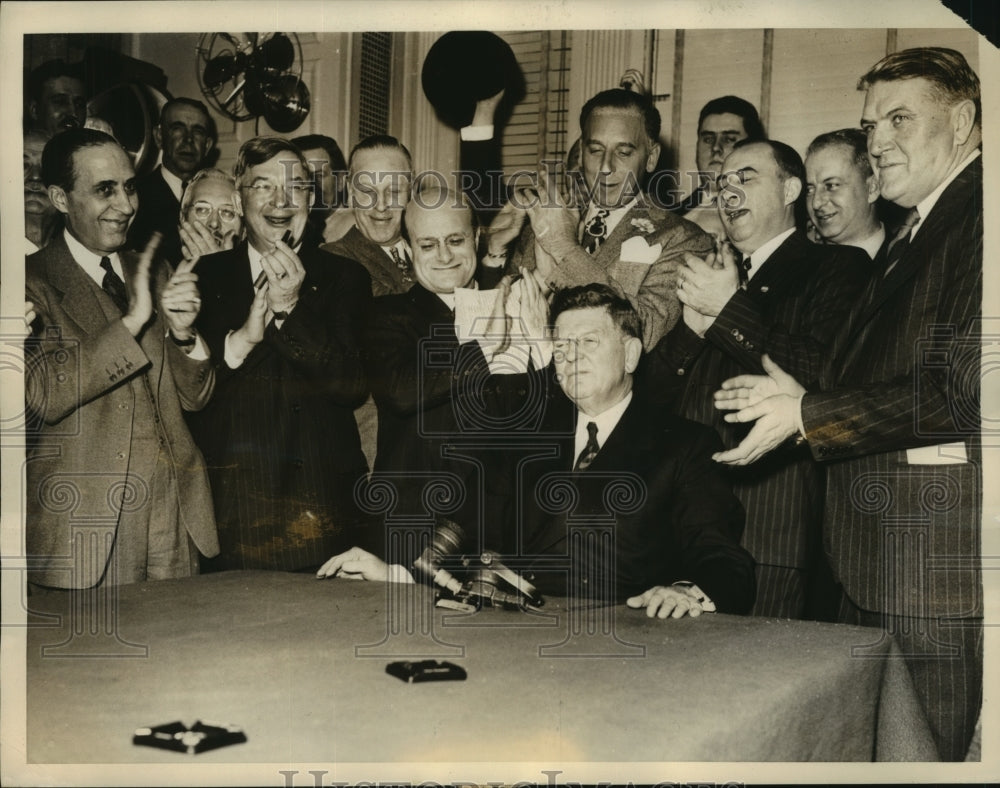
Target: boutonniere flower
[(643, 225)]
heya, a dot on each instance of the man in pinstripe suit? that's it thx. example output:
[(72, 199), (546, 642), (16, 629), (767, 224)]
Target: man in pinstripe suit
[(795, 297), (896, 417), (283, 321)]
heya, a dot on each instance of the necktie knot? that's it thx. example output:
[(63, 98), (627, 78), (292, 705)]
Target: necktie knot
[(589, 450), (596, 230)]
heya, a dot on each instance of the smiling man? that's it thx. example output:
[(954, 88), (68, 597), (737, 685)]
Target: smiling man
[(619, 238), (793, 298), (842, 191), (210, 220), (283, 320), (898, 411), (378, 189), (186, 135), (107, 379)]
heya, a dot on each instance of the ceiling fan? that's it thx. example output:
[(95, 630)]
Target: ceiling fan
[(252, 75)]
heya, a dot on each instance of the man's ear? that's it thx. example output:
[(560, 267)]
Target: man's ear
[(963, 117), (158, 136), (633, 352), (793, 188), (33, 109), (57, 196), (653, 158), (871, 183)]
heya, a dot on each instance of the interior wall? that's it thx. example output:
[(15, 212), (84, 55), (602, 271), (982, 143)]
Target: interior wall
[(811, 87)]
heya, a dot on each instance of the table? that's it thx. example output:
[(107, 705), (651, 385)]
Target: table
[(299, 664)]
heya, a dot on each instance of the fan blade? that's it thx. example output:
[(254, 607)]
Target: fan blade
[(276, 53), (222, 68)]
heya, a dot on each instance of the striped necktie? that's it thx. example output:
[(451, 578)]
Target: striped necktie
[(590, 450), (900, 241)]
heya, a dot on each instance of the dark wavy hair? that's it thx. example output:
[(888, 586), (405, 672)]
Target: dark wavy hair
[(57, 157), (597, 296)]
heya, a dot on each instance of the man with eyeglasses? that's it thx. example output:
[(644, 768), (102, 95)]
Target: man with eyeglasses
[(779, 294), (186, 136), (210, 221), (283, 321), (644, 473)]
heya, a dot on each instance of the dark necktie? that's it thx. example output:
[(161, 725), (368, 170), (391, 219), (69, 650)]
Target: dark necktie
[(595, 231), (402, 264), (743, 269), (900, 241), (590, 450), (114, 286)]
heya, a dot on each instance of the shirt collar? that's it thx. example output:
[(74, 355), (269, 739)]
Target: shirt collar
[(873, 242), (400, 246), (925, 206), (606, 422), (759, 256), (90, 262), (176, 184)]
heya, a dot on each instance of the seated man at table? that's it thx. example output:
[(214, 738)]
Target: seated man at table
[(676, 530)]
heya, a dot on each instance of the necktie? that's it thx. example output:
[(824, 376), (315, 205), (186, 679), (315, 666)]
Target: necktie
[(113, 285), (590, 450), (401, 264), (596, 230), (900, 241), (743, 269)]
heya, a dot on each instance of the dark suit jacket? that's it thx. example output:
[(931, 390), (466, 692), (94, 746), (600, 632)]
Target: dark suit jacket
[(159, 211), (792, 309), (651, 285), (84, 375), (653, 483), (279, 435), (434, 397), (907, 374)]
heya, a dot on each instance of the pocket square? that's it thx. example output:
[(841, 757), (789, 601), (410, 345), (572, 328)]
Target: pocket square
[(636, 250)]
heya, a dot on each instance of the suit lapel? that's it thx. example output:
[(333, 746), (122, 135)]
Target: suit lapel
[(776, 269), (942, 216), (85, 303), (609, 251)]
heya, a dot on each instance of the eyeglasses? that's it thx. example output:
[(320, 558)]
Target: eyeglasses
[(587, 344), (265, 190), (202, 211)]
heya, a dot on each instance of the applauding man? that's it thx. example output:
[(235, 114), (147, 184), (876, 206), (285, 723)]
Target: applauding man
[(283, 320), (898, 410), (107, 379)]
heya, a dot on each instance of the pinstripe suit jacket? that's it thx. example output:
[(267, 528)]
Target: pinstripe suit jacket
[(905, 538), (791, 309), (82, 381), (279, 434)]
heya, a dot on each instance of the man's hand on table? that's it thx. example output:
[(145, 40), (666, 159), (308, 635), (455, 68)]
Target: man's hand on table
[(359, 564), (674, 601)]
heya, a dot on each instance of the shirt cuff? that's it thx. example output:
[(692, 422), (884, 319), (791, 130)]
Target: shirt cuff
[(233, 361), (399, 574), (798, 421), (699, 596), (476, 133)]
